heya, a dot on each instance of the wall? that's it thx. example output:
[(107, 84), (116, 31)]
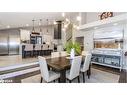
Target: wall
[(88, 35)]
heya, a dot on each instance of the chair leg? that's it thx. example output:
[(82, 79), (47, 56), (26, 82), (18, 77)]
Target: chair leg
[(41, 79), (58, 80), (78, 79), (69, 81), (83, 73), (88, 74), (24, 54)]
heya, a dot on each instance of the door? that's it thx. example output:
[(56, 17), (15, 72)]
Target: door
[(3, 43)]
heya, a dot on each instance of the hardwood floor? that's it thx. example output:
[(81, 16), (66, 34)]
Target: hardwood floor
[(99, 74), (123, 76)]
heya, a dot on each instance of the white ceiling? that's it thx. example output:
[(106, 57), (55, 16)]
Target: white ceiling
[(20, 19)]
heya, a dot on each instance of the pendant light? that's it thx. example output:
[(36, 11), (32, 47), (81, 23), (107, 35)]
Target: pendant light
[(33, 30), (40, 25), (47, 25)]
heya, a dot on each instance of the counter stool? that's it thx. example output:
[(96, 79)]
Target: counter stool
[(44, 49), (28, 49), (37, 49)]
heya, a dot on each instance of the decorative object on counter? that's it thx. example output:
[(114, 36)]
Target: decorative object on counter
[(76, 46), (72, 53), (105, 15)]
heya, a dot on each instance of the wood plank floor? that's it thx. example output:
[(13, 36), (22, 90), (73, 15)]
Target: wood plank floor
[(100, 74)]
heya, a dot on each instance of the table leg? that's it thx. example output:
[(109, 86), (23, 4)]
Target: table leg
[(63, 76)]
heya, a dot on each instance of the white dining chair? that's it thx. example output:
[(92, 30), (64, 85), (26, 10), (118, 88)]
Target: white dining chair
[(55, 54), (85, 66), (63, 53), (75, 69), (48, 76)]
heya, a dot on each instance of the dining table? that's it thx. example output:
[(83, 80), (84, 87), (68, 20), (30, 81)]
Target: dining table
[(61, 65)]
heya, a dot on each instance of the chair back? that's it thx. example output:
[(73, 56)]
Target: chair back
[(51, 47), (87, 62), (45, 47), (28, 47), (55, 54), (43, 68), (37, 47), (63, 53), (75, 67)]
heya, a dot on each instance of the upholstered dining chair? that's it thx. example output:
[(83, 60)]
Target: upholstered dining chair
[(85, 66), (48, 76), (55, 54), (75, 69)]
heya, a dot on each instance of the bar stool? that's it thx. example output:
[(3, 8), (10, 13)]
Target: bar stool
[(50, 49), (37, 49), (28, 48), (44, 49)]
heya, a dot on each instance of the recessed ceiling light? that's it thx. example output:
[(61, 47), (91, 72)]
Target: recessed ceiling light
[(8, 26), (95, 27), (54, 22), (67, 19), (115, 24), (63, 14), (65, 26), (27, 24), (63, 29), (78, 27), (78, 18)]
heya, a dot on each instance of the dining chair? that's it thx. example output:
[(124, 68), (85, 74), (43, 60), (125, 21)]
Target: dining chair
[(55, 54), (28, 48), (47, 75), (85, 66), (63, 53), (75, 69)]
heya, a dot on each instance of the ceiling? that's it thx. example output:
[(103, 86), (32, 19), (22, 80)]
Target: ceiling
[(24, 19)]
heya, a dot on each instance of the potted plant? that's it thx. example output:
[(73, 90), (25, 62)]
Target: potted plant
[(73, 45)]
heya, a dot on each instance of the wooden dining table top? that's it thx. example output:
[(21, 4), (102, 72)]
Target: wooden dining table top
[(59, 63)]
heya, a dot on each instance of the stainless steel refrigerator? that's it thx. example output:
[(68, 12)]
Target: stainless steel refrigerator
[(9, 42)]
